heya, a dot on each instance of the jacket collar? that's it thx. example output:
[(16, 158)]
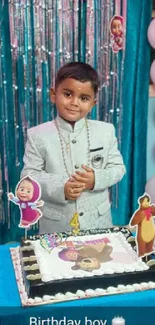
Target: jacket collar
[(68, 127)]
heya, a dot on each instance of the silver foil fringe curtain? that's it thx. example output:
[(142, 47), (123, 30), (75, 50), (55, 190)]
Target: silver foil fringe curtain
[(36, 38)]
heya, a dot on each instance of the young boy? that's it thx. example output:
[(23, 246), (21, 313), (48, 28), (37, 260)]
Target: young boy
[(75, 160)]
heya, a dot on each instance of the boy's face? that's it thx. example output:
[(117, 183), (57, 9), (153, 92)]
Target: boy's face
[(73, 99)]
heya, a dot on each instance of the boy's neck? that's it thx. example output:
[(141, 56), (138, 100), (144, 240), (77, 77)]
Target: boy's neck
[(71, 126), (72, 123)]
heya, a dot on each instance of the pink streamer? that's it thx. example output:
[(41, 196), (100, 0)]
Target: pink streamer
[(117, 7)]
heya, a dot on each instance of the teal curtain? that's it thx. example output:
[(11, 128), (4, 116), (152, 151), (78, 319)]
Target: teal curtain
[(28, 66), (135, 108)]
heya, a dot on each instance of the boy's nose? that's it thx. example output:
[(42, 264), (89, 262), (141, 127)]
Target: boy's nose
[(74, 101)]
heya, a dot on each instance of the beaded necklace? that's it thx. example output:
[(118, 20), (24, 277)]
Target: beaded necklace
[(74, 223), (67, 143), (62, 145)]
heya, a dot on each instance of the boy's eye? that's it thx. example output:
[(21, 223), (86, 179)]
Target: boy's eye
[(67, 94), (84, 98), (21, 189)]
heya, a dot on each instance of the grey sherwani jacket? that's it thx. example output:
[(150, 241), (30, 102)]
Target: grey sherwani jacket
[(43, 160)]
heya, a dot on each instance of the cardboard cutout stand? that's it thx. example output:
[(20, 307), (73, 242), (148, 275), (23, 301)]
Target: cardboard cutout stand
[(145, 227)]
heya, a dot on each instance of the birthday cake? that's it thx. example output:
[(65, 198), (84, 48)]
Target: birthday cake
[(81, 264), (54, 267)]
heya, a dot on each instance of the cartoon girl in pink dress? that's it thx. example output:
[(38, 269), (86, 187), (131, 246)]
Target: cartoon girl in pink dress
[(116, 30), (68, 254), (28, 192)]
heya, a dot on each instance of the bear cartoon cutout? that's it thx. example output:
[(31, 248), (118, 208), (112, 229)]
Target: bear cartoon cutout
[(27, 195), (145, 228)]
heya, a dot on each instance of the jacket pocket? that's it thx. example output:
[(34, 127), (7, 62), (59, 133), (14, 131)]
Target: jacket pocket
[(103, 207), (98, 158)]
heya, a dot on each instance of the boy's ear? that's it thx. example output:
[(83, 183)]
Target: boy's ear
[(52, 95), (95, 101)]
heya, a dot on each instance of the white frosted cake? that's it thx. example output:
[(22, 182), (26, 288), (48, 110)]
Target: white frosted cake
[(55, 266), (87, 256)]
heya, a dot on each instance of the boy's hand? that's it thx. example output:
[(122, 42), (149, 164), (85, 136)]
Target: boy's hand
[(73, 190), (87, 177)]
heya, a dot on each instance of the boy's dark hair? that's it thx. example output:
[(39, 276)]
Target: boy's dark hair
[(79, 71)]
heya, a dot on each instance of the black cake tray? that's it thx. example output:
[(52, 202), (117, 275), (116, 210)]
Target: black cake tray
[(38, 288)]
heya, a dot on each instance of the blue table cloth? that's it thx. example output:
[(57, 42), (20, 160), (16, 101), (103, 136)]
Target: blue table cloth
[(137, 308)]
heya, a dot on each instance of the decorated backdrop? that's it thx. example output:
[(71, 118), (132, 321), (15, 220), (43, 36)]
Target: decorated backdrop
[(37, 37)]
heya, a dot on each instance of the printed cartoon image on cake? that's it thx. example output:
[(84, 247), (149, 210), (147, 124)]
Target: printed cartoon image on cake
[(27, 195), (145, 228), (51, 241), (87, 256)]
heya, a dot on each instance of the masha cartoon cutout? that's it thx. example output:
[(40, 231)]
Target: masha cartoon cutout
[(27, 195), (145, 227), (116, 31)]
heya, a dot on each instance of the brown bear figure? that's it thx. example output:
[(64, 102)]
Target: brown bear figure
[(143, 219), (90, 259)]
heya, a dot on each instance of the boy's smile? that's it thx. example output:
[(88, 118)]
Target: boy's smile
[(74, 99)]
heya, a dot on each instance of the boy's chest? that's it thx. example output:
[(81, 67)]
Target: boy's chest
[(73, 150)]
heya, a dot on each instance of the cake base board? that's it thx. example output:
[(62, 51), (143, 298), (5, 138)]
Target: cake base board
[(28, 302)]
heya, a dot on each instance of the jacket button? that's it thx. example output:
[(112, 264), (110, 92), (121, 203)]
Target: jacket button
[(73, 141), (76, 166), (81, 214)]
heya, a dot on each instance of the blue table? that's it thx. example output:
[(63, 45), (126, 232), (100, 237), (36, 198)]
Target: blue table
[(137, 308)]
